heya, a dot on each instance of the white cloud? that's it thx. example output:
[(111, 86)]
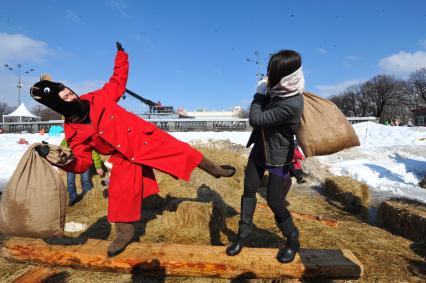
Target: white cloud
[(403, 63), (9, 91), (352, 58), (18, 47), (349, 60), (321, 51), (72, 17), (120, 6), (85, 86), (334, 89), (422, 42)]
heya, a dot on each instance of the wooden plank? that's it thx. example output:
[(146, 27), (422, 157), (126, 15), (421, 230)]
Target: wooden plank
[(187, 260), (36, 275), (305, 217)]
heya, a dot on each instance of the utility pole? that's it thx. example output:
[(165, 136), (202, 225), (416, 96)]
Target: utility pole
[(19, 84)]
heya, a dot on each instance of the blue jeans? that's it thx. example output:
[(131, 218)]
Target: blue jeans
[(86, 183)]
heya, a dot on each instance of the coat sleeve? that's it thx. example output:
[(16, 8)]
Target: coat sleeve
[(82, 158), (269, 118), (116, 85)]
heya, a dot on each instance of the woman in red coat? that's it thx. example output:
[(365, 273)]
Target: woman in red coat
[(95, 121)]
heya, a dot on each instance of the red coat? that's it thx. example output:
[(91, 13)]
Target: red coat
[(297, 158), (135, 145)]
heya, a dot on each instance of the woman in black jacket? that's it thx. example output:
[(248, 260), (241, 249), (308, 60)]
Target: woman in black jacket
[(275, 115)]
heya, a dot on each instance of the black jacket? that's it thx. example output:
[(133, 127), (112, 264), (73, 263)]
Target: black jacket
[(275, 120)]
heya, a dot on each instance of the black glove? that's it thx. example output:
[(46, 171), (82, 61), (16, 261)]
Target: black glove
[(119, 47), (42, 149)]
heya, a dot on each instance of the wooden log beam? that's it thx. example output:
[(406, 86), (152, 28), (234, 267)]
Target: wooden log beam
[(305, 216), (169, 259), (36, 275)]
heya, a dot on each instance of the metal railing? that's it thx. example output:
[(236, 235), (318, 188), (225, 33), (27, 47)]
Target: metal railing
[(170, 125)]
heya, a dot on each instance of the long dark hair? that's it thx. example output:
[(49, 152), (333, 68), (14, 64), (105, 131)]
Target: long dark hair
[(282, 64)]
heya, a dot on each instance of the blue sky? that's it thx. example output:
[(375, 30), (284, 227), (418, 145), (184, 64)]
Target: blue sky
[(192, 54)]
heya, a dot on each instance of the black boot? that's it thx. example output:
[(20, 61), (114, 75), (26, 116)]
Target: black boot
[(248, 206), (292, 246), (125, 233)]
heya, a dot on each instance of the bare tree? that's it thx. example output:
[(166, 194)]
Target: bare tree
[(45, 113), (417, 81), (341, 102), (382, 91), (5, 109)]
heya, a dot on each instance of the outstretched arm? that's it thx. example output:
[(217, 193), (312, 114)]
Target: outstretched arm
[(116, 85)]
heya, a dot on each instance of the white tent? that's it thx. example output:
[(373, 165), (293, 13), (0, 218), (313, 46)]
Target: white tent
[(23, 114)]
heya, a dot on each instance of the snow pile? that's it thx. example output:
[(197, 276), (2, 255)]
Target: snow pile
[(75, 227), (390, 160)]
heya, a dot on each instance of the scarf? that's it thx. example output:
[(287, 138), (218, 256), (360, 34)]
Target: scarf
[(290, 85)]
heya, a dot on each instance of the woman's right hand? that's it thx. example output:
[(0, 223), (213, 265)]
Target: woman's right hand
[(262, 86)]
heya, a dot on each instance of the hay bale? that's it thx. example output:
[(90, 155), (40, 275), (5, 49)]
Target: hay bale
[(404, 217), (188, 222), (347, 190)]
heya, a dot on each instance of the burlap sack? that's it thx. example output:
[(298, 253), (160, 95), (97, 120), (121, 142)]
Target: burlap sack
[(34, 201), (324, 129)]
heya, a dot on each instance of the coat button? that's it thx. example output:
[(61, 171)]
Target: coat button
[(101, 132), (118, 145), (132, 159), (129, 130), (145, 142), (112, 117)]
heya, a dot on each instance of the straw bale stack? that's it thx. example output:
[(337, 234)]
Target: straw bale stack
[(404, 217), (347, 191)]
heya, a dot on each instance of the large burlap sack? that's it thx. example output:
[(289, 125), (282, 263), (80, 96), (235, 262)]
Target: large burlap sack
[(324, 129), (34, 201)]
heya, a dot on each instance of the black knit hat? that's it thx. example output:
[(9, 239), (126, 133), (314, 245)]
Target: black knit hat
[(47, 93)]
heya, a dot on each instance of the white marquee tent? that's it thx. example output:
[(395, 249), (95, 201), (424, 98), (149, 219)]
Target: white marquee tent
[(21, 114)]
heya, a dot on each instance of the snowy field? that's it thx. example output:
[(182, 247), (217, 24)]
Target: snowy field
[(391, 160)]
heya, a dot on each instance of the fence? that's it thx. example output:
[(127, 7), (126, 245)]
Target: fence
[(170, 125)]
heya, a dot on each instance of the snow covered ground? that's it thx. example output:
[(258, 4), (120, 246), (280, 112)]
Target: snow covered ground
[(391, 160)]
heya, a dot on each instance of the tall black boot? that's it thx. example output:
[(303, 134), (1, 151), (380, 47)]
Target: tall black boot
[(125, 233), (248, 206), (292, 246)]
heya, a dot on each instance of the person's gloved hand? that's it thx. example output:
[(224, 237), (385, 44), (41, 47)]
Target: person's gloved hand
[(42, 149), (119, 47), (262, 86)]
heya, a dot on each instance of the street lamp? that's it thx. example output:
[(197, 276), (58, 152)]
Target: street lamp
[(20, 74), (258, 63)]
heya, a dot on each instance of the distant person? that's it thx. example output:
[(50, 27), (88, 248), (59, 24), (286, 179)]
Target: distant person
[(85, 177), (422, 183), (275, 115), (296, 164), (410, 123), (96, 122)]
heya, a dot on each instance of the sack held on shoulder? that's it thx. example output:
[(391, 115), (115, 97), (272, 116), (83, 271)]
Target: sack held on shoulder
[(324, 129)]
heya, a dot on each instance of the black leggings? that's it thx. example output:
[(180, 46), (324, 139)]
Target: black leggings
[(278, 188)]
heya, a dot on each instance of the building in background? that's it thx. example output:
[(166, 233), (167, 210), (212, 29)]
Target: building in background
[(419, 116)]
